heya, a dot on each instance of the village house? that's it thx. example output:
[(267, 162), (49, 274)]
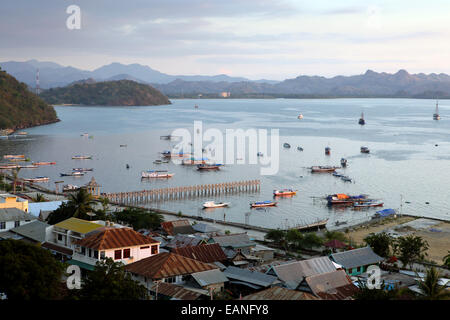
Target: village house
[(356, 261), (244, 281), (184, 240), (335, 285), (12, 217), (207, 253), (120, 244), (8, 201), (165, 267), (212, 281), (34, 232), (182, 226), (239, 242)]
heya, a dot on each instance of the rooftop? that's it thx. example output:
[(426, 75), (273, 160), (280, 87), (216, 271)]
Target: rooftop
[(112, 238), (278, 293), (334, 285), (14, 214), (356, 257), (175, 291), (164, 265), (252, 277), (237, 240), (207, 253), (209, 277), (78, 225), (34, 230)]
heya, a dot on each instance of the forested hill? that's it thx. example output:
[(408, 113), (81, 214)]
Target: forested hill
[(20, 108), (108, 93)]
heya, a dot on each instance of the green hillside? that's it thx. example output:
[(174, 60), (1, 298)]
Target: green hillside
[(108, 93), (20, 108)]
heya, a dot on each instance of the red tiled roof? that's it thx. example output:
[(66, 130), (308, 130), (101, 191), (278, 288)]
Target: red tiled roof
[(111, 238), (207, 253), (164, 265)]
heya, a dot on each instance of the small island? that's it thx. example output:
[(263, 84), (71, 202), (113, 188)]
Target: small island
[(108, 93), (21, 108)]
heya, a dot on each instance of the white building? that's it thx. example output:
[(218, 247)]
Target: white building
[(12, 218)]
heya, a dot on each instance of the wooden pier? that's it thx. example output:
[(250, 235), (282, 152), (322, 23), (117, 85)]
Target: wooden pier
[(188, 192)]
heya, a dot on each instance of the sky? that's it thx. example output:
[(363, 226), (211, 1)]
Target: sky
[(256, 39)]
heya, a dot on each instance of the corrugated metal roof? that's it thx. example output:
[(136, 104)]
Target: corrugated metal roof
[(175, 291), (332, 285), (205, 278), (278, 293), (34, 230), (164, 265), (356, 257), (181, 241), (238, 240), (294, 272), (111, 238), (182, 226), (203, 227), (205, 253), (253, 277), (14, 214), (78, 225)]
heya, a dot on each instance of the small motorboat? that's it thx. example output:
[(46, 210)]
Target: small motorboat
[(368, 204), (78, 157), (336, 174), (156, 174), (44, 163), (72, 174), (284, 192), (12, 156), (208, 167), (9, 167), (286, 145), (361, 120), (327, 151), (343, 162), (123, 145), (212, 204), (82, 169), (28, 167), (365, 150), (300, 116), (346, 179), (263, 204), (70, 187), (37, 179), (299, 148), (323, 169)]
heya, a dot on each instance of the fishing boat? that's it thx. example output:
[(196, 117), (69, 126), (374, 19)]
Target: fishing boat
[(300, 116), (313, 226), (336, 174), (22, 133), (368, 204), (436, 115), (37, 179), (284, 192), (9, 166), (299, 148), (70, 187), (327, 151), (43, 163), (286, 145), (72, 174), (156, 174), (12, 156), (346, 179), (365, 150), (212, 204), (344, 199), (83, 169), (194, 161), (78, 157), (322, 169), (260, 204), (343, 162), (208, 167), (361, 120), (28, 167), (168, 154)]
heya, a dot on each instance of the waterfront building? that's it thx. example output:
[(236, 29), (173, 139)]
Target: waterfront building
[(356, 261)]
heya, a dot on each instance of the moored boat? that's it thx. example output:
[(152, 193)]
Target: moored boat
[(12, 156), (300, 116), (344, 199), (361, 120), (78, 157), (194, 161), (259, 204), (37, 179), (212, 204), (436, 115), (70, 187), (284, 192), (312, 226), (321, 169), (156, 174), (365, 150), (299, 148), (208, 167), (9, 166), (343, 162), (83, 169), (169, 154), (28, 167), (43, 163), (327, 151), (368, 204), (72, 174), (286, 145), (259, 154)]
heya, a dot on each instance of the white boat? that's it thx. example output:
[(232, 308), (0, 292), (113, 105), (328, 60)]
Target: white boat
[(81, 157), (72, 174), (70, 187), (37, 179), (436, 115), (212, 204), (300, 116), (156, 174)]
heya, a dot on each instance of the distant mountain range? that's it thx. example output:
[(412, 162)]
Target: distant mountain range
[(369, 84)]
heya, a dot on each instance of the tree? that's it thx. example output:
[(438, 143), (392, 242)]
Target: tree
[(39, 198), (410, 248), (380, 243), (110, 281), (28, 272), (82, 202), (65, 211), (335, 235), (429, 287), (446, 260), (294, 236), (311, 240), (138, 218)]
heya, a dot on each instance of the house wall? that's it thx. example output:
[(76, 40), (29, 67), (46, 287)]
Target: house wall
[(358, 270), (13, 202), (11, 225)]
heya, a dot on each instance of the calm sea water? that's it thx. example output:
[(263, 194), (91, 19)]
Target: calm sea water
[(404, 162)]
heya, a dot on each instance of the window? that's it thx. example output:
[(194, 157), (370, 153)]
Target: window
[(95, 254), (83, 251), (126, 253), (358, 269), (350, 270), (117, 254), (102, 255), (170, 280), (154, 249), (146, 247), (90, 253), (2, 225), (59, 237), (16, 224)]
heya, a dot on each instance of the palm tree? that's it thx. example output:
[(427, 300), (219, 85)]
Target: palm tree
[(15, 173), (39, 198), (82, 203), (446, 260), (429, 287)]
